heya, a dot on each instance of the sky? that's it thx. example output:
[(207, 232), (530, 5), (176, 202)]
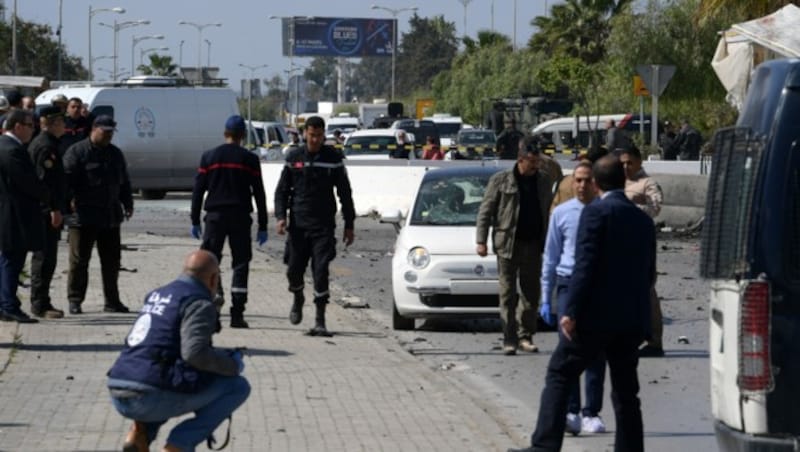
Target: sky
[(247, 35)]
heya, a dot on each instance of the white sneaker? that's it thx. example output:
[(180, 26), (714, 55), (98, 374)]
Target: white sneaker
[(593, 424), (573, 424)]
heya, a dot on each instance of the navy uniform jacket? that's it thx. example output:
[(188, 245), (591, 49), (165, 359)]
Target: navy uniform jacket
[(232, 176), (615, 265), (306, 186), (98, 182)]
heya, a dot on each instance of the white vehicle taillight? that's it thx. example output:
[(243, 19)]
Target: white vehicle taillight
[(755, 371)]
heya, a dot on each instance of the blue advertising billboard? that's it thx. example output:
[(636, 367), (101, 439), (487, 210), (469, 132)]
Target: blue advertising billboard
[(337, 36)]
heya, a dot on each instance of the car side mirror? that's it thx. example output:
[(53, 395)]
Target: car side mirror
[(393, 217)]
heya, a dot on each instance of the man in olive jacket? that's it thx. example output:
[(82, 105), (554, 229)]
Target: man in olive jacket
[(515, 206)]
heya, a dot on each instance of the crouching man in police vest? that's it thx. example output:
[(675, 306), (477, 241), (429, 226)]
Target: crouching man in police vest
[(169, 368)]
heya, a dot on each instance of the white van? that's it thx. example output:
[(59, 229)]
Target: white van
[(751, 255), (162, 128), (571, 134), (343, 122), (448, 127)]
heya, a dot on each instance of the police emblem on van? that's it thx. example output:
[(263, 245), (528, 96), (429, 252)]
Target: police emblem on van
[(145, 122)]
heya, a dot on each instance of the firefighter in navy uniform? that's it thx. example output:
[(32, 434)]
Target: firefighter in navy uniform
[(305, 191), (232, 177), (44, 151)]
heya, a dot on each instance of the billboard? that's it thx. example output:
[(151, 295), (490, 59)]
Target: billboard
[(337, 36)]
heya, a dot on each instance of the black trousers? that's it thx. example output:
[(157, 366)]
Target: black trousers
[(81, 243), (236, 228), (567, 362), (43, 266), (319, 245)]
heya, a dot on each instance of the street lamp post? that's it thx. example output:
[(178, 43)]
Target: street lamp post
[(180, 53), (92, 12), (208, 53), (250, 97), (465, 3), (152, 49), (137, 39), (117, 27), (199, 28), (394, 12)]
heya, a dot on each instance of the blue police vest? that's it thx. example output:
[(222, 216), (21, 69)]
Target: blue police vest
[(152, 353)]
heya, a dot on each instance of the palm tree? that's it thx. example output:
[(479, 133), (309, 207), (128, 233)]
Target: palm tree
[(486, 38), (578, 28), (159, 65)]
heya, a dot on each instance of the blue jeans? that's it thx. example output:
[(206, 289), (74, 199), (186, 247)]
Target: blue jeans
[(211, 406), (594, 376), (11, 263)]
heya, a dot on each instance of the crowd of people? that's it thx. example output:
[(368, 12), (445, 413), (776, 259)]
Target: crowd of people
[(559, 256)]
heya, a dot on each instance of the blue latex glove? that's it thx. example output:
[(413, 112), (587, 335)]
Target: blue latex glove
[(237, 356), (196, 231), (547, 316), (261, 237)]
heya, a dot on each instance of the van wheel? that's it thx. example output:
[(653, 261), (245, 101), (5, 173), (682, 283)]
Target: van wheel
[(153, 194), (399, 322)]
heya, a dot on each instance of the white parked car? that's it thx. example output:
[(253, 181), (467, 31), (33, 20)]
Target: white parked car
[(371, 144), (435, 269)]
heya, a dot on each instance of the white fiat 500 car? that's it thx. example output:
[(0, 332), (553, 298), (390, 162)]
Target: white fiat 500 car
[(435, 269)]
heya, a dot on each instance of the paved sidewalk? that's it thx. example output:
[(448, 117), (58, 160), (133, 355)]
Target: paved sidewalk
[(355, 391)]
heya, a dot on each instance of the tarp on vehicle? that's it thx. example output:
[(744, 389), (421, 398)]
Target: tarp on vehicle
[(747, 44)]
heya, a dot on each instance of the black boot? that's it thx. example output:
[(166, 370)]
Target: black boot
[(319, 322), (237, 315), (296, 314)]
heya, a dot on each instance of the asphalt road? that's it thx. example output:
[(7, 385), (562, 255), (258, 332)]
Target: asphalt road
[(674, 389)]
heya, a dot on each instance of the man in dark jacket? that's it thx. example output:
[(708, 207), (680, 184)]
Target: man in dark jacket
[(169, 368), (305, 191), (99, 188), (232, 177), (607, 310), (20, 222), (50, 170)]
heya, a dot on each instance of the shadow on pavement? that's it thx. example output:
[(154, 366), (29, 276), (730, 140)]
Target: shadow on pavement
[(70, 347)]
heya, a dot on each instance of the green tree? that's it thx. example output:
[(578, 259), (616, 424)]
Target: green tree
[(427, 49), (37, 53), (322, 71), (666, 33), (486, 38), (487, 72), (159, 65), (372, 78), (577, 28), (747, 9)]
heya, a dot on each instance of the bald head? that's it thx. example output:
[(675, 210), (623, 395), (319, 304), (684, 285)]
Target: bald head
[(203, 266), (609, 174)]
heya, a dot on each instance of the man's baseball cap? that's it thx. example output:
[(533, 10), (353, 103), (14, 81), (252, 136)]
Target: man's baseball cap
[(235, 122), (105, 122), (50, 112)]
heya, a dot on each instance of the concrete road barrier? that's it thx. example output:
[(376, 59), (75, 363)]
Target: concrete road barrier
[(386, 185)]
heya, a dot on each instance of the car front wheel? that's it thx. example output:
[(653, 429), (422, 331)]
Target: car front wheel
[(399, 322)]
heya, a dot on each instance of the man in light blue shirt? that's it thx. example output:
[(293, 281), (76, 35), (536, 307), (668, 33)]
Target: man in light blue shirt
[(557, 265)]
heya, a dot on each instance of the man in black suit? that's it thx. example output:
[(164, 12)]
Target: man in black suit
[(20, 223), (607, 310)]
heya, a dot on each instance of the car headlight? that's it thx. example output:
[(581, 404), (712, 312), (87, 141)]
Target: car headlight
[(419, 257)]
